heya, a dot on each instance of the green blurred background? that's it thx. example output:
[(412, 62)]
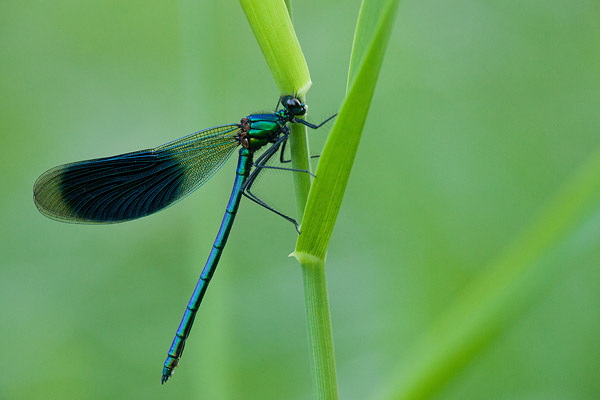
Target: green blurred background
[(482, 111)]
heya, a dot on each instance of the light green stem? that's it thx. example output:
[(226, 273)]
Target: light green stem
[(320, 335), (299, 152)]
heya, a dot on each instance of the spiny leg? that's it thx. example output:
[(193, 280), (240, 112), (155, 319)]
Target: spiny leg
[(305, 123), (284, 169), (258, 201), (281, 160), (313, 126), (247, 192), (259, 164)]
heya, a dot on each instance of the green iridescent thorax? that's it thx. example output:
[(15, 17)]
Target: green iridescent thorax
[(261, 129)]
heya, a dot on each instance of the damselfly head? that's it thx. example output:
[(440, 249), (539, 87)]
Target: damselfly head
[(293, 105)]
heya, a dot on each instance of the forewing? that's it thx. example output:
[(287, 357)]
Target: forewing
[(133, 185)]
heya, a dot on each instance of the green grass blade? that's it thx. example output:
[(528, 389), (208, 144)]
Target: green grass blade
[(499, 296), (272, 27), (340, 150), (369, 20)]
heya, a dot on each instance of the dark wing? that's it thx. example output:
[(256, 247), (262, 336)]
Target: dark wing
[(133, 185)]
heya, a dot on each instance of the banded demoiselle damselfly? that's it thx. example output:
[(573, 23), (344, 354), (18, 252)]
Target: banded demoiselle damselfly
[(134, 185)]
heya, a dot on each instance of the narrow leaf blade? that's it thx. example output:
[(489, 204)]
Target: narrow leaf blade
[(274, 32), (338, 155)]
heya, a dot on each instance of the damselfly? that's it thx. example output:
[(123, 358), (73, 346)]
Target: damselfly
[(133, 185)]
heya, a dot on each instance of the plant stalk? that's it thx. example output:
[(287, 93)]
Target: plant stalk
[(320, 335)]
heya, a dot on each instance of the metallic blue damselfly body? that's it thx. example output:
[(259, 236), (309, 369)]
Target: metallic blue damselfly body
[(133, 185)]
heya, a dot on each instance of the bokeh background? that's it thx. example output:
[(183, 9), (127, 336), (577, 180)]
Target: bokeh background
[(482, 112)]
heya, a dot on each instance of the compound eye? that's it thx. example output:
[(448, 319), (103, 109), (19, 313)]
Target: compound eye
[(293, 102), (295, 106)]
